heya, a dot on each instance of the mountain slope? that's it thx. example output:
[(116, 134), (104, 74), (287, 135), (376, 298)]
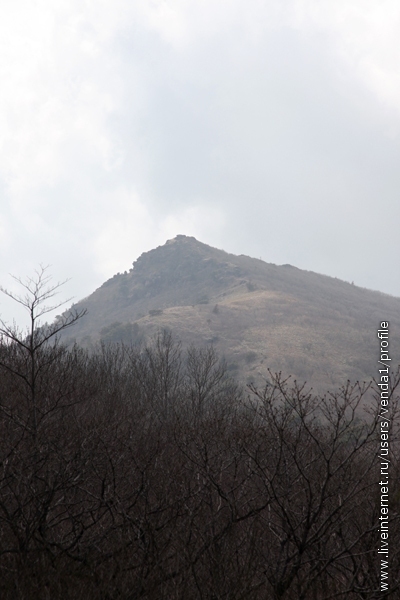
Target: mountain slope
[(258, 315)]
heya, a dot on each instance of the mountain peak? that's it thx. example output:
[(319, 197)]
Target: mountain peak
[(181, 238), (176, 256), (258, 315)]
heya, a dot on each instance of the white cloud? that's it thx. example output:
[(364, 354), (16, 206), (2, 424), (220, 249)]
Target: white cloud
[(364, 36), (202, 221), (62, 81), (254, 122), (122, 228), (58, 89)]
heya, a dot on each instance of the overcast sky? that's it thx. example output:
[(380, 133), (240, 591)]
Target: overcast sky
[(264, 127)]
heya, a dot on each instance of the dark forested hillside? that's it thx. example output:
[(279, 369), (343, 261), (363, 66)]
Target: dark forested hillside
[(257, 315)]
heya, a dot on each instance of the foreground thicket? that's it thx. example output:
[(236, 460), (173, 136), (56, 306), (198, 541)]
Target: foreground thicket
[(148, 473)]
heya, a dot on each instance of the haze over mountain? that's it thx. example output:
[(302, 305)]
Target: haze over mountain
[(257, 315)]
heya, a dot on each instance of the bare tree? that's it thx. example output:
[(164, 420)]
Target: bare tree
[(315, 458), (208, 383), (31, 345), (158, 370)]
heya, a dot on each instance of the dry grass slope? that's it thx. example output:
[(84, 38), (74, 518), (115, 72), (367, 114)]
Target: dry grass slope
[(257, 315)]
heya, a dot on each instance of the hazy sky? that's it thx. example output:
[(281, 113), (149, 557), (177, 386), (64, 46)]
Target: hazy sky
[(264, 127)]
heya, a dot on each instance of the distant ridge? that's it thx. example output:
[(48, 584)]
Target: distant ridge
[(256, 314)]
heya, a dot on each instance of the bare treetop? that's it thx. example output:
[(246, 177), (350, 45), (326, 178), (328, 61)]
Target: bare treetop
[(36, 292)]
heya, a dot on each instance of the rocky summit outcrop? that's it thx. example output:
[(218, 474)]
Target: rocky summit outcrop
[(257, 315)]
